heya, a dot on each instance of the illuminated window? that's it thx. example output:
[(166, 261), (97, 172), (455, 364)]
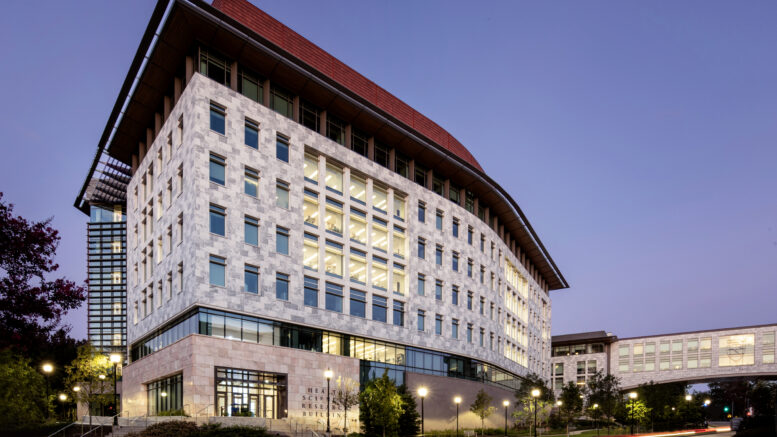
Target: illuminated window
[(281, 194), (736, 350), (310, 252), (379, 235), (399, 242), (334, 179), (310, 208), (357, 267), (379, 273), (358, 190), (379, 199), (311, 168), (333, 259), (333, 218), (767, 347), (399, 207), (398, 279), (358, 226)]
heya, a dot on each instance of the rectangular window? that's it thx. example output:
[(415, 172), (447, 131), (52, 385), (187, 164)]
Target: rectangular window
[(218, 116), (311, 292), (282, 148), (251, 227), (310, 252), (310, 208), (358, 189), (333, 218), (379, 199), (309, 116), (251, 182), (379, 273), (455, 328), (281, 240), (382, 155), (421, 320), (281, 194), (250, 85), (214, 67), (334, 179), (399, 242), (335, 129), (438, 289), (438, 324), (379, 235), (767, 347), (438, 220), (333, 259), (455, 228), (251, 277), (736, 350), (454, 194), (251, 134), (180, 277), (469, 300), (357, 267), (218, 216), (420, 175), (421, 248), (359, 142), (437, 185), (438, 255), (358, 226), (218, 167), (482, 337), (470, 232), (398, 278), (421, 212), (455, 262), (218, 267), (281, 102), (334, 297), (310, 169), (455, 295), (469, 267), (379, 308), (421, 284), (358, 303), (399, 208), (282, 286), (469, 201), (399, 313), (482, 306), (469, 332), (401, 165)]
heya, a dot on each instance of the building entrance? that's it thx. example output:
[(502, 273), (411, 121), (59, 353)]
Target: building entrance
[(250, 393)]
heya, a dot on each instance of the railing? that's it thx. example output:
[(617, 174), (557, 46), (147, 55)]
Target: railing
[(62, 430), (207, 414)]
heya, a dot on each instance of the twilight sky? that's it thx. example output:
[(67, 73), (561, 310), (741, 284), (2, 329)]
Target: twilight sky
[(638, 137)]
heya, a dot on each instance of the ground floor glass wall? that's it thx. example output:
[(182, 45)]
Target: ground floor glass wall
[(250, 393), (165, 395)]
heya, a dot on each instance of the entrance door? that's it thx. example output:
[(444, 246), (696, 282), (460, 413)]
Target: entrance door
[(269, 407)]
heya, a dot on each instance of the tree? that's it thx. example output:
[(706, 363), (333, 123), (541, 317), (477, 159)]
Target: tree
[(605, 391), (22, 392), (84, 372), (641, 413), (524, 408), (31, 306), (571, 402), (530, 382), (659, 400), (380, 407), (346, 397), (481, 406), (409, 420)]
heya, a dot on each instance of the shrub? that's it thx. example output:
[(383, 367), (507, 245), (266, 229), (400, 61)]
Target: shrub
[(175, 428), (231, 431), (173, 413)]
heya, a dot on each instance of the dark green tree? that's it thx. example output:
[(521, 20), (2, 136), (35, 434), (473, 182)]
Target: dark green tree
[(380, 407), (604, 390), (22, 392), (530, 382), (409, 420), (571, 402), (659, 400), (482, 408)]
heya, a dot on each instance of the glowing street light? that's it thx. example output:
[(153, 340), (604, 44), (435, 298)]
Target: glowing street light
[(47, 369), (115, 359), (535, 393), (76, 389), (506, 404), (632, 398), (422, 392), (457, 401), (62, 397)]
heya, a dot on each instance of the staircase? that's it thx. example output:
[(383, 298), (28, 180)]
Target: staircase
[(121, 431)]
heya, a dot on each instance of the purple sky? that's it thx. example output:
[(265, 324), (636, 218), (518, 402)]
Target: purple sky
[(640, 135)]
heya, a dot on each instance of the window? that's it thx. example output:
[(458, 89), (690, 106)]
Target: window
[(251, 227), (308, 116), (470, 232), (399, 208), (482, 243), (333, 218), (482, 337), (379, 235), (379, 273), (420, 175), (455, 295), (401, 165), (421, 212), (455, 262), (179, 177), (218, 217), (736, 350), (218, 166), (180, 277), (311, 292), (438, 255), (334, 179), (767, 349), (469, 300), (251, 134), (455, 328), (218, 267), (399, 242), (310, 208), (421, 248), (469, 201), (357, 267), (438, 220), (251, 277), (251, 182), (214, 67), (482, 305), (438, 324), (334, 297), (310, 252), (469, 267), (358, 303), (281, 240), (399, 279), (438, 289), (250, 85), (310, 169), (421, 284), (379, 308), (358, 226), (379, 199), (421, 320), (437, 185), (454, 194), (282, 286), (399, 313), (334, 259), (218, 118), (281, 102), (469, 332), (358, 189), (359, 142), (335, 129), (455, 228), (281, 194), (282, 148)]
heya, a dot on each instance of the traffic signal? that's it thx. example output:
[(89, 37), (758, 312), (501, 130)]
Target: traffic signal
[(725, 409)]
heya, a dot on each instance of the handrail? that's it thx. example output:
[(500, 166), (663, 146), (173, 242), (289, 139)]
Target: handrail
[(61, 429), (93, 430), (197, 414)]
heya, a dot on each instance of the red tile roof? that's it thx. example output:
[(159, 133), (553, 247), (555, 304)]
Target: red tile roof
[(309, 53)]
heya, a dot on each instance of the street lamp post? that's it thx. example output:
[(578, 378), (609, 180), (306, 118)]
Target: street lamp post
[(102, 387), (328, 375), (559, 404), (632, 397), (707, 403), (687, 407), (596, 419), (47, 369), (506, 404), (457, 401), (422, 392), (535, 394), (115, 359)]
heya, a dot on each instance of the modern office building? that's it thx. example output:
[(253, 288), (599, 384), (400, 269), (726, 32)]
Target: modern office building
[(285, 216), (693, 357)]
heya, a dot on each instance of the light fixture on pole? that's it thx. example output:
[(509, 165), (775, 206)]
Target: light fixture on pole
[(457, 401), (422, 392), (506, 404), (687, 406), (47, 369), (632, 397), (535, 394), (707, 403), (62, 397), (596, 419), (328, 375), (115, 359)]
